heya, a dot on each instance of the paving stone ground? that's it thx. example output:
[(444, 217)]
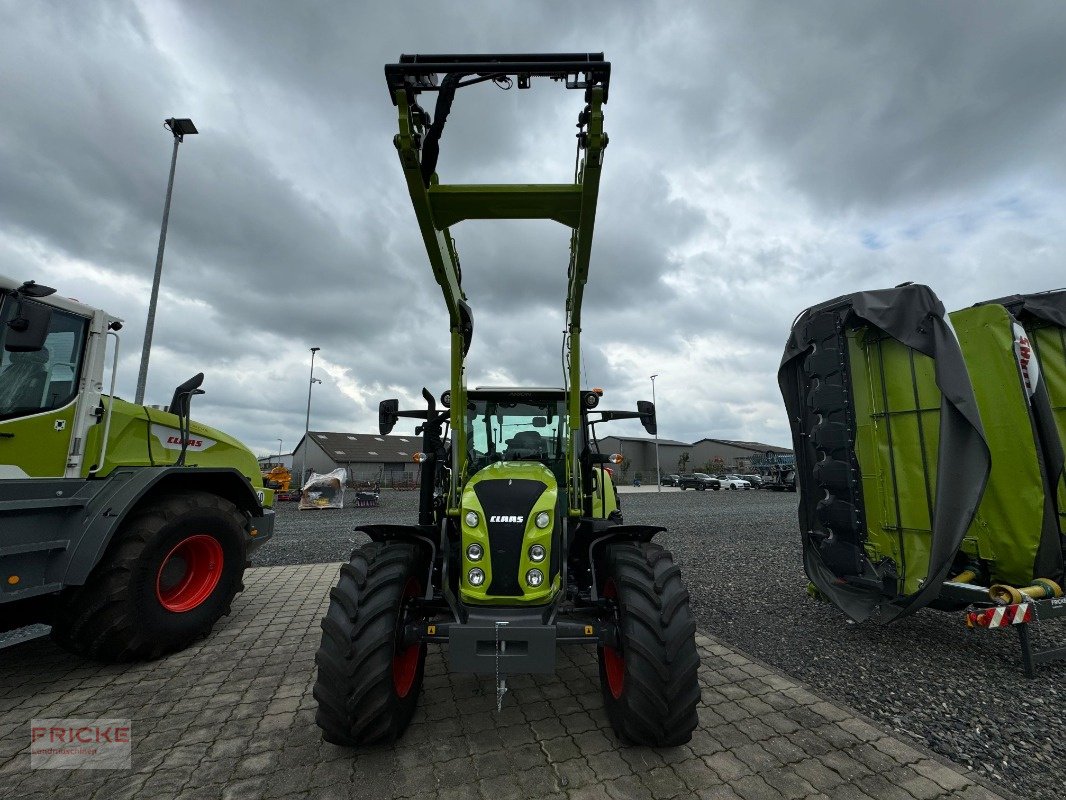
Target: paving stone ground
[(233, 717)]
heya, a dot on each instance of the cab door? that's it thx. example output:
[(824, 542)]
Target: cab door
[(38, 397)]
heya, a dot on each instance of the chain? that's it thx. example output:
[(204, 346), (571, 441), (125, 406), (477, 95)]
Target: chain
[(501, 682)]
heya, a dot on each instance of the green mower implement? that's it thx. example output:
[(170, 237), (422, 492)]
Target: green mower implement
[(520, 545), (928, 459), (126, 528)]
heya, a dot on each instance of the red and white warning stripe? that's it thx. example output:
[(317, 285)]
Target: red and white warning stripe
[(1001, 617)]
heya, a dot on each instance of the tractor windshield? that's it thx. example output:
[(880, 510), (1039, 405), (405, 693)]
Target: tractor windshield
[(505, 428)]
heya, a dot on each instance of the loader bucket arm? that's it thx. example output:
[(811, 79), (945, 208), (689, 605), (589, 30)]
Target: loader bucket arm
[(439, 206)]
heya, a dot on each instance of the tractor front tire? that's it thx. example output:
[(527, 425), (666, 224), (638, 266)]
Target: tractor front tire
[(650, 687), (368, 680), (168, 575)]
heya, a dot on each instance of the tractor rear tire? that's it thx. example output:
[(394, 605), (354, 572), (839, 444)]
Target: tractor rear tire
[(368, 683), (650, 687), (168, 575)]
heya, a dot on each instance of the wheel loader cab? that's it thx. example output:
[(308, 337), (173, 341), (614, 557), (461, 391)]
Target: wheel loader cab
[(513, 500)]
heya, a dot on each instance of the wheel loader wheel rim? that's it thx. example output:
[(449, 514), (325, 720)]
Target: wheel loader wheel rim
[(189, 573), (614, 662), (405, 660)]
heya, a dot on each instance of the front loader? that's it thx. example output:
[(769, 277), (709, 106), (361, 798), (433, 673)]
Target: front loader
[(519, 546)]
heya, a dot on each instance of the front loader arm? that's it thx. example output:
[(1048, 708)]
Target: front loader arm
[(438, 206)]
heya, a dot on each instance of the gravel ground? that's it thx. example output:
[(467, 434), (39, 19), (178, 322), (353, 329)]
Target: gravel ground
[(927, 677)]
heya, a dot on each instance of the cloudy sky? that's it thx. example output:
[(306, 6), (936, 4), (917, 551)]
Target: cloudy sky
[(764, 156)]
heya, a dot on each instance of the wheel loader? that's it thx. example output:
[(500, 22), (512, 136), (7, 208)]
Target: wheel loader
[(126, 528), (519, 546)]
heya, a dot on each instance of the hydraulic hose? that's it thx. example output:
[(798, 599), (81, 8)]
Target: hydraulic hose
[(966, 576), (1041, 589)]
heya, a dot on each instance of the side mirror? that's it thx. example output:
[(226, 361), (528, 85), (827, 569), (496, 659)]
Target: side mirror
[(388, 414), (646, 410), (28, 329), (540, 422)]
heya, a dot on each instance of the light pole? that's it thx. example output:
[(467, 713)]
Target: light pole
[(307, 422), (279, 450), (180, 128), (658, 475)]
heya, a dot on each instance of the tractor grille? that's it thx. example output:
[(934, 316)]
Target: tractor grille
[(507, 498)]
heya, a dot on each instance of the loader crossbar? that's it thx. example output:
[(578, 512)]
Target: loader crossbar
[(419, 73)]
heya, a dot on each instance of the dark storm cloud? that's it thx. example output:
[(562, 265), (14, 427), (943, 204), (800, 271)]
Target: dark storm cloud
[(763, 157), (880, 104)]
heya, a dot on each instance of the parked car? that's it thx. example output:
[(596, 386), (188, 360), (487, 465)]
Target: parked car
[(733, 482), (754, 480), (670, 480), (699, 481)]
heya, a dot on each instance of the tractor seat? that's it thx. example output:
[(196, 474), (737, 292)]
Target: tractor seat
[(526, 444)]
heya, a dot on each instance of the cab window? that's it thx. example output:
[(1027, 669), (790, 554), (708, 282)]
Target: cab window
[(31, 383), (504, 429)]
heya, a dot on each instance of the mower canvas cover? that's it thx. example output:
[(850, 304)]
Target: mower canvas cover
[(890, 452), (1015, 537), (1043, 318)]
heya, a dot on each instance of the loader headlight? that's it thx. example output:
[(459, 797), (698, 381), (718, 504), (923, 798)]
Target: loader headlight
[(474, 552), (534, 577), (471, 519), (476, 577), (536, 553), (543, 519)]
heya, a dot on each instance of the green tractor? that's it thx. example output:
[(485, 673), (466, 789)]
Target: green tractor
[(126, 528), (519, 545)]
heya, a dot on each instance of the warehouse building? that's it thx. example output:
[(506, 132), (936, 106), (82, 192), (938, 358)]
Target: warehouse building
[(284, 459), (739, 457), (384, 460), (674, 456)]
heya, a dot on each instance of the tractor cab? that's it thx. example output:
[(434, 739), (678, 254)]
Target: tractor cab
[(508, 425)]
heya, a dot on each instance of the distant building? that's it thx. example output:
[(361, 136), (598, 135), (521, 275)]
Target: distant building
[(364, 456), (742, 457), (639, 453), (285, 459), (736, 456)]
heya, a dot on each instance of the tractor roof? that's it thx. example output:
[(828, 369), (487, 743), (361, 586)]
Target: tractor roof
[(64, 303), (520, 389)]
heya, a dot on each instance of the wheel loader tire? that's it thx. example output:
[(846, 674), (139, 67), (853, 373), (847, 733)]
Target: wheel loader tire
[(170, 572), (368, 683), (650, 688)]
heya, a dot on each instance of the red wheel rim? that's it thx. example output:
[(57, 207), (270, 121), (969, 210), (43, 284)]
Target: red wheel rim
[(405, 660), (614, 665), (189, 573)]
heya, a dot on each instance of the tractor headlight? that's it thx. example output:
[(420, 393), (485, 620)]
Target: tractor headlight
[(543, 519), (534, 577), (474, 552), (471, 519), (476, 577), (536, 552)]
